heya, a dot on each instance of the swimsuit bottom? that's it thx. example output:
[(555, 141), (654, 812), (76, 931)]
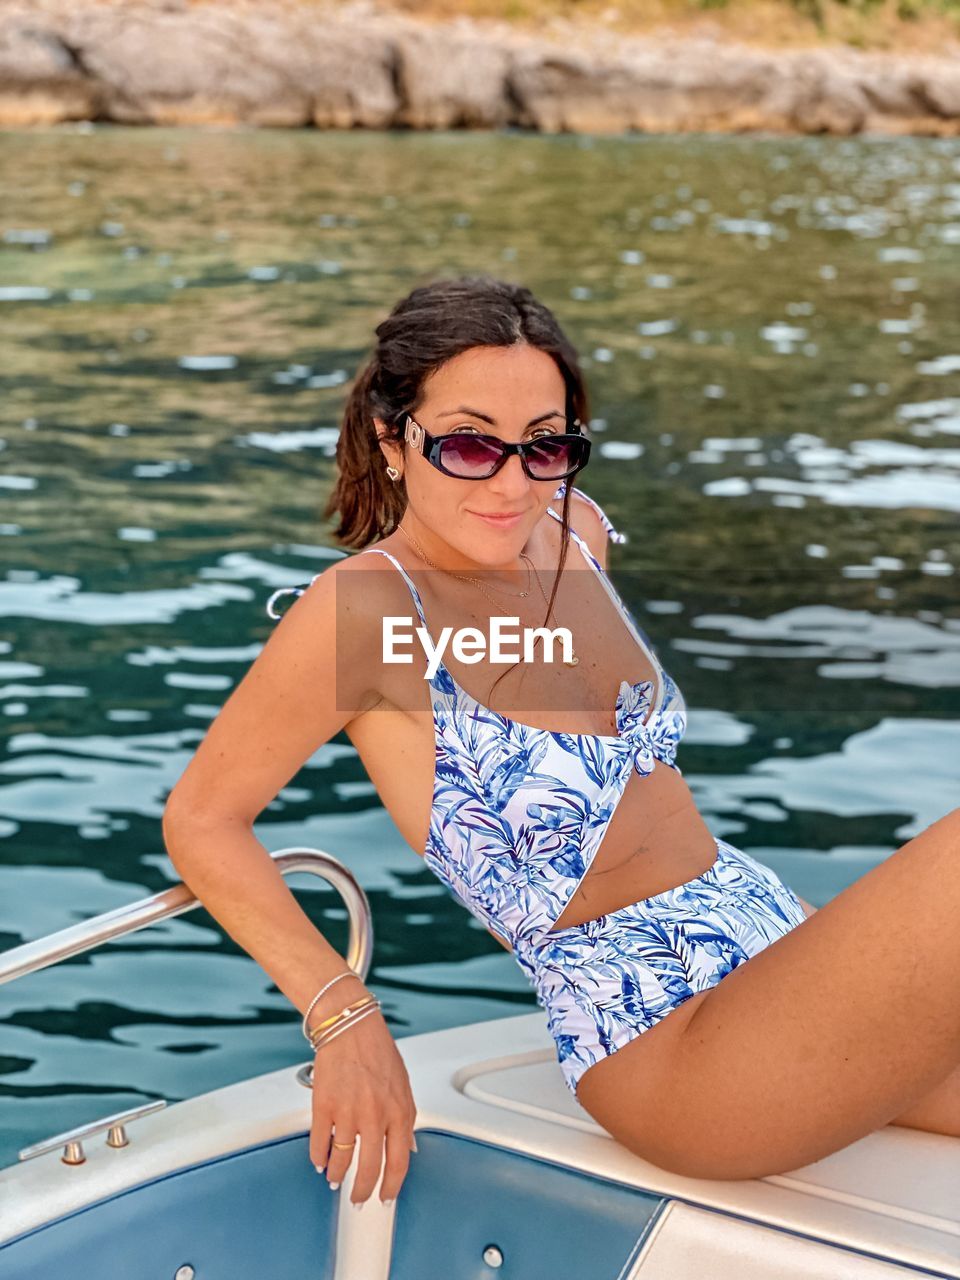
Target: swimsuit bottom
[(606, 981)]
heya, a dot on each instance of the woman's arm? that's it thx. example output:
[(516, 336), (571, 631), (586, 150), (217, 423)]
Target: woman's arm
[(292, 700)]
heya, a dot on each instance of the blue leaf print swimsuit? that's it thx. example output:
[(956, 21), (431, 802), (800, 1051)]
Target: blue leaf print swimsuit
[(518, 815)]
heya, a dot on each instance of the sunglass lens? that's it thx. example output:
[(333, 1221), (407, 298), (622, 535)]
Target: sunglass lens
[(552, 459), (471, 457)]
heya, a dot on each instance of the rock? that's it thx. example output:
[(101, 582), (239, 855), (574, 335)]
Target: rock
[(896, 93), (823, 99), (557, 92), (940, 89), (448, 82), (702, 86), (41, 81), (666, 90), (350, 76), (162, 67), (286, 65)]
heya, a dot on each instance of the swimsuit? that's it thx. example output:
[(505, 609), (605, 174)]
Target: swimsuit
[(518, 815)]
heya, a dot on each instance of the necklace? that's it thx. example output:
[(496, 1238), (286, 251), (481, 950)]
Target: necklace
[(572, 661), (519, 595), (573, 657)]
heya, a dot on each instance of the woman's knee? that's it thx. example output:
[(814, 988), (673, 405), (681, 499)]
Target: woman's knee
[(718, 1153), (937, 1110)]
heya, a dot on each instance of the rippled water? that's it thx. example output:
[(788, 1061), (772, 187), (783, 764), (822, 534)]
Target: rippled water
[(771, 335)]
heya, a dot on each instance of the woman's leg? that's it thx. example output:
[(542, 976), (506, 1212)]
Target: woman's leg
[(850, 1020), (937, 1111)]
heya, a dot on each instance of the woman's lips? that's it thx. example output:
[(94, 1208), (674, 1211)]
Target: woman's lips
[(499, 522)]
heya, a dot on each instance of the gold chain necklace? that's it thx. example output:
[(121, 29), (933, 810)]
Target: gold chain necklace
[(573, 657), (517, 595), (572, 661)]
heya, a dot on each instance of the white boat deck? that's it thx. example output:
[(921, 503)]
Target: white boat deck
[(895, 1193), (886, 1203)]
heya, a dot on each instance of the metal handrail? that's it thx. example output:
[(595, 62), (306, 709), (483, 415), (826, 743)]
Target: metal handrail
[(72, 1141), (29, 957)]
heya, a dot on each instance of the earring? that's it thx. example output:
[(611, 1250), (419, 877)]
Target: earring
[(393, 473)]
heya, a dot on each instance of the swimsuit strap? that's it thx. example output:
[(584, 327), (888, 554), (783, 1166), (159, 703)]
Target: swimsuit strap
[(631, 625), (406, 577), (588, 555), (614, 534), (299, 590)]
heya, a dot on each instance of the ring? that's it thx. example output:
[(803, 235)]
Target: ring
[(345, 1145)]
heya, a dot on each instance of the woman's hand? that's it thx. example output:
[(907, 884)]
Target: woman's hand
[(361, 1091)]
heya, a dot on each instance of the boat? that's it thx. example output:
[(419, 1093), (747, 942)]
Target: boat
[(511, 1175)]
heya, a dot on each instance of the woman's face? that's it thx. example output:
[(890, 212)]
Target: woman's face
[(515, 393)]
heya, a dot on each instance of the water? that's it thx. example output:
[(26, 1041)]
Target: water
[(771, 337)]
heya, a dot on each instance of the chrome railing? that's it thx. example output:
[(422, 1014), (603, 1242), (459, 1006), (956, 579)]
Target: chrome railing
[(32, 956), (77, 938), (73, 1139)]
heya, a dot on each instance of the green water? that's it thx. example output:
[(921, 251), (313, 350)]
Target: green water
[(771, 337)]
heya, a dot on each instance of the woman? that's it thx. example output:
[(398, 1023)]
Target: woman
[(708, 1019)]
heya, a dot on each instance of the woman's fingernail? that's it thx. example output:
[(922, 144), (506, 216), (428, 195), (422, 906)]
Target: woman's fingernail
[(415, 1147), (334, 1185), (386, 1203), (358, 1204), (319, 1168)]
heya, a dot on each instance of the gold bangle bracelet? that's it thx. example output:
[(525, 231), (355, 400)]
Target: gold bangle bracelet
[(344, 1026), (346, 1016), (347, 1009), (330, 1032)]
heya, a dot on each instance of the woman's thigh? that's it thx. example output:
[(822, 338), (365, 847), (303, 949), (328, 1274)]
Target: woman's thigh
[(937, 1111), (835, 1029)]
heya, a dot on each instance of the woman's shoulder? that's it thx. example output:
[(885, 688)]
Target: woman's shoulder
[(379, 567), (590, 521), (356, 590), (585, 502), (373, 579)]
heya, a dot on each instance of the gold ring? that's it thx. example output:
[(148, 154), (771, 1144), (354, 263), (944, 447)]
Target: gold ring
[(345, 1145)]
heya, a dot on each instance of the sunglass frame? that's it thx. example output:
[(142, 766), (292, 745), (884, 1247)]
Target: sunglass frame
[(431, 448)]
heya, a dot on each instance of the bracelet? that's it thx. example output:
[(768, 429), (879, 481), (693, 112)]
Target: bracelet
[(325, 1039), (348, 974), (328, 1022), (332, 1035), (339, 1031), (345, 1015)]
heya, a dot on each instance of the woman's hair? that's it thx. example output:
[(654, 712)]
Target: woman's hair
[(431, 325)]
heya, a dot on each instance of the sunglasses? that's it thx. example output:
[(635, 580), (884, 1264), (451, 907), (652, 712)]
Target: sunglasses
[(475, 457)]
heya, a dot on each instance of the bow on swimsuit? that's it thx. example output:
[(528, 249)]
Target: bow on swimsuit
[(518, 815)]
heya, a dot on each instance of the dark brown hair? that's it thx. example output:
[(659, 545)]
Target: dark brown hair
[(431, 325)]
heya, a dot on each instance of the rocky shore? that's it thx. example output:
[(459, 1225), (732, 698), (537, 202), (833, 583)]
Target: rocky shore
[(294, 65)]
